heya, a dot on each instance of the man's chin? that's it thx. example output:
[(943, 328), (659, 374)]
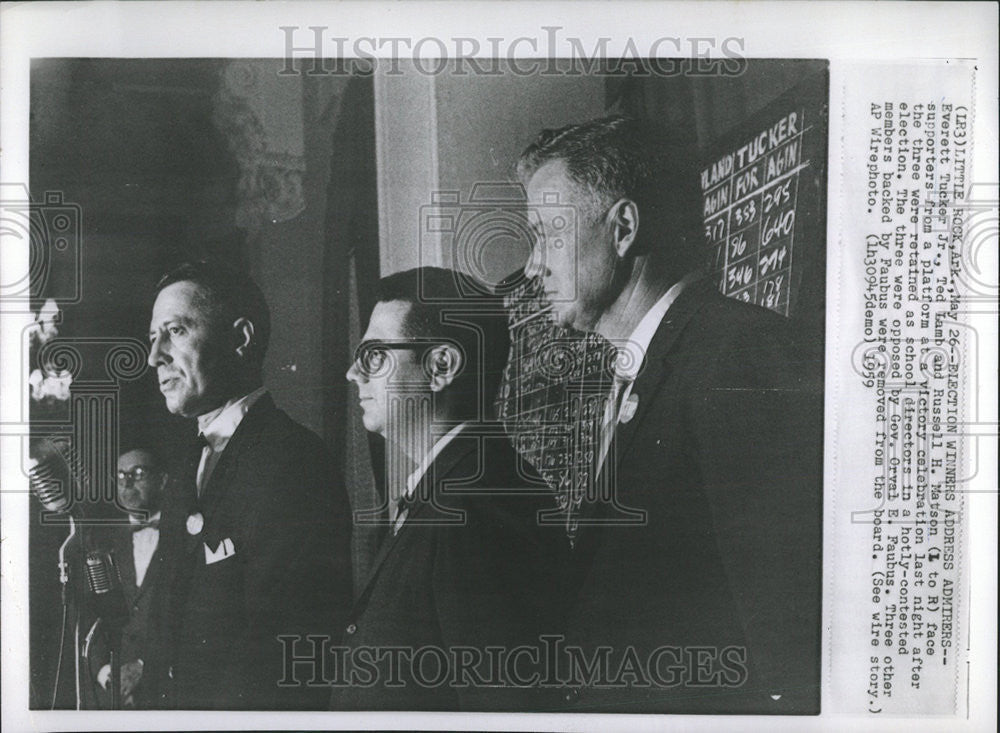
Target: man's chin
[(564, 318), (174, 408), (181, 409), (371, 426)]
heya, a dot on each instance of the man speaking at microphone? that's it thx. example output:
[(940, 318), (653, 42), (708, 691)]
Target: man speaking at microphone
[(255, 532)]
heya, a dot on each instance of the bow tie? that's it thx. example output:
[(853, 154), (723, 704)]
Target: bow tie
[(139, 526)]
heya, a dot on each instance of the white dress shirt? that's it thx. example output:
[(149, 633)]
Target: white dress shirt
[(631, 356), (217, 427), (414, 479), (144, 542)]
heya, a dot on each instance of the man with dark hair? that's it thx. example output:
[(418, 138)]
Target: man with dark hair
[(255, 532), (465, 565), (711, 442), (134, 549)]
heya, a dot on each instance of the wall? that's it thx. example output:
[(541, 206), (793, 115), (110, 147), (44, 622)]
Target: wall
[(448, 132)]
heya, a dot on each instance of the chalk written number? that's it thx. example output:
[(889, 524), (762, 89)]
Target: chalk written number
[(737, 245), (773, 260), (739, 276), (746, 213), (778, 226), (778, 196), (772, 291), (715, 231)]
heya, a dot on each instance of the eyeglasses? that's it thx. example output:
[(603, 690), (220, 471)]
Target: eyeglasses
[(371, 358), (136, 474)]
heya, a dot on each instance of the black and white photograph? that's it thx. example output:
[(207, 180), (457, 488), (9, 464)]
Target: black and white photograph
[(428, 373)]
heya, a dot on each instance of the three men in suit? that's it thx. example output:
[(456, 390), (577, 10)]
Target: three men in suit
[(465, 563), (134, 549), (255, 529), (707, 561)]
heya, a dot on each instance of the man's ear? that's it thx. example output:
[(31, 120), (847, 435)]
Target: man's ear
[(444, 363), (243, 331), (624, 220)]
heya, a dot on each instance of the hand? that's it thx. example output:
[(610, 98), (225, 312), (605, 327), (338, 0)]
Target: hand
[(104, 675)]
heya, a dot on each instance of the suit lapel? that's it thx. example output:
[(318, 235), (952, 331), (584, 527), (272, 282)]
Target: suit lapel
[(185, 491), (453, 453), (247, 433), (689, 302), (125, 562)]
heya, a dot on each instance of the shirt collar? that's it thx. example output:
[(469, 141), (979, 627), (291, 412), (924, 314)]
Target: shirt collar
[(414, 479), (218, 426), (627, 364), (132, 519)]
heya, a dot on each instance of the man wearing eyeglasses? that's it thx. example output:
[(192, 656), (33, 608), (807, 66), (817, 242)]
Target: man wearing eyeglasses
[(466, 562), (256, 530), (135, 551)]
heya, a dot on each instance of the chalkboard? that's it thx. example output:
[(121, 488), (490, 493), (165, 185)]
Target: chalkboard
[(763, 200), (763, 195)]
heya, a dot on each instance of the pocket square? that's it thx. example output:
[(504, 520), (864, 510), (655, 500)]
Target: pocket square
[(224, 550)]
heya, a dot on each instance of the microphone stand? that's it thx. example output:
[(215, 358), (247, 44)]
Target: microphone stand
[(105, 584), (64, 575), (115, 683)]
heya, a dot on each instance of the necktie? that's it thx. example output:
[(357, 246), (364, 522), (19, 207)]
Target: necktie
[(204, 469), (610, 421), (403, 506)]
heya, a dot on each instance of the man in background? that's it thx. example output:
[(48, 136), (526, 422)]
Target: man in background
[(255, 533), (465, 564), (134, 549), (699, 549)]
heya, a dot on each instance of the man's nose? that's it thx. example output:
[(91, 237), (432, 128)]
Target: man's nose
[(157, 355), (353, 375)]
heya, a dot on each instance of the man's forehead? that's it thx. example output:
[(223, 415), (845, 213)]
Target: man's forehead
[(551, 183), (387, 321), (134, 458), (181, 300)]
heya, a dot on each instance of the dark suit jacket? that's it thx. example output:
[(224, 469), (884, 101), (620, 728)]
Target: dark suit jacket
[(493, 578), (140, 601), (272, 496), (724, 457)]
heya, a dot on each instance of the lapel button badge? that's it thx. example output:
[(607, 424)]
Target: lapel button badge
[(195, 523)]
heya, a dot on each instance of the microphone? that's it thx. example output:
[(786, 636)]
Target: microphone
[(104, 583), (98, 573), (49, 489), (50, 480), (49, 476)]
